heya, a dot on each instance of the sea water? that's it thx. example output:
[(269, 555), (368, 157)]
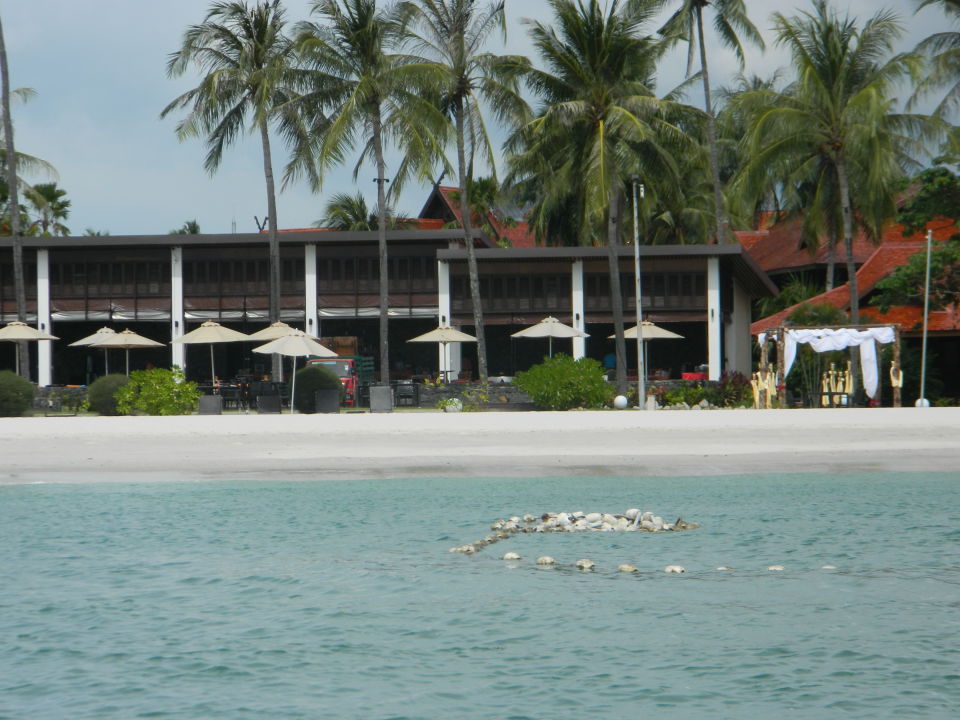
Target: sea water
[(340, 599)]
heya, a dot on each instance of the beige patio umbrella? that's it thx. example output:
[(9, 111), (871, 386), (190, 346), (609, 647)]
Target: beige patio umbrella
[(100, 334), (550, 328), (274, 331), (127, 340), (17, 331), (210, 333), (295, 343), (444, 335), (649, 332)]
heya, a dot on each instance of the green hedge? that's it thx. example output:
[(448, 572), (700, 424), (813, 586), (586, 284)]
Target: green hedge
[(562, 383), (16, 394), (101, 395)]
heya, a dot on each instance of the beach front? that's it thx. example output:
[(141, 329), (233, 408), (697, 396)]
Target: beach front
[(486, 444)]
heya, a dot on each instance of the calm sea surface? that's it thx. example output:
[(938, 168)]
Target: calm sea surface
[(289, 600)]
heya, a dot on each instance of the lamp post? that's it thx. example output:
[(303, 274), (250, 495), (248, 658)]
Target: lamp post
[(641, 360), (922, 400)]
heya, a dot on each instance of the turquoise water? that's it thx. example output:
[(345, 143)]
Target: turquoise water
[(290, 600)]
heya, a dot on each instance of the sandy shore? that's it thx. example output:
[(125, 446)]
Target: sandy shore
[(665, 443)]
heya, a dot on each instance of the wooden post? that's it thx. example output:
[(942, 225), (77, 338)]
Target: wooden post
[(896, 373), (781, 380)]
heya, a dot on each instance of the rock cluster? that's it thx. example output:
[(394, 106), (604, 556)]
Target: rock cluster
[(633, 520)]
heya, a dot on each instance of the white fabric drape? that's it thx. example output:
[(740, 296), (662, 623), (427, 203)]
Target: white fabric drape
[(829, 340)]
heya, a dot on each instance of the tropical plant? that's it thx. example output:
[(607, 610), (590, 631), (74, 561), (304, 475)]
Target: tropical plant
[(158, 392), (944, 49), (350, 212), (906, 284), (16, 394), (562, 383), (363, 92), (796, 290), (51, 207), (836, 121), (101, 395), (600, 123), (249, 71), (686, 23), (451, 35), (310, 380), (189, 227)]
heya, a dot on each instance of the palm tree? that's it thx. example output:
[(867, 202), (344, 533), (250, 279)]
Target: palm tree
[(834, 125), (451, 34), (51, 207), (249, 70), (599, 123), (350, 212), (11, 163), (364, 93), (189, 227), (686, 23), (944, 47)]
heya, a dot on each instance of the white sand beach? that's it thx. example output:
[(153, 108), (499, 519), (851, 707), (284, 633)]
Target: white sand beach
[(522, 444)]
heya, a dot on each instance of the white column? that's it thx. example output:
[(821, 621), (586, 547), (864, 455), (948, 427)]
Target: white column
[(44, 351), (178, 352), (576, 307), (714, 319), (737, 334), (312, 321), (443, 311)]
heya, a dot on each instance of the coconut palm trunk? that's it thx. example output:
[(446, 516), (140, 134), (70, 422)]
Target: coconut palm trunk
[(472, 270), (721, 216), (20, 291), (843, 186), (377, 126), (273, 240), (616, 295)]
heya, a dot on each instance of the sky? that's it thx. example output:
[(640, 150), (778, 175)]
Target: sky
[(99, 70)]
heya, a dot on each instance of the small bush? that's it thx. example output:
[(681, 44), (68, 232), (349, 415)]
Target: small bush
[(158, 392), (309, 380), (101, 395), (562, 383), (16, 394)]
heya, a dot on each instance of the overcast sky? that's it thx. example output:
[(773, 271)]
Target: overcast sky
[(98, 67)]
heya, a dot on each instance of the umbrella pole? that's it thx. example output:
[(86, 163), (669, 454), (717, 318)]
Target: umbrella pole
[(550, 345), (293, 384), (212, 376), (128, 362), (106, 361)]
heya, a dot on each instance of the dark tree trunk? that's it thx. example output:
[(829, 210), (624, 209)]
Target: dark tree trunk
[(844, 188), (831, 257), (721, 217), (20, 290), (471, 251), (616, 296), (274, 242), (382, 244)]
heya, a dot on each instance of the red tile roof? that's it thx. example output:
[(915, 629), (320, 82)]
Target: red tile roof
[(894, 252), (518, 236)]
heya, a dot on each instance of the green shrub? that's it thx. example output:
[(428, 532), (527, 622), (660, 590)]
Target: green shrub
[(101, 395), (16, 394), (309, 380), (158, 392), (562, 383)]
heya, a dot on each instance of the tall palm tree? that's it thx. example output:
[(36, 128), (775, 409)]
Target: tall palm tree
[(944, 47), (189, 227), (451, 34), (729, 19), (50, 207), (11, 163), (599, 123), (365, 93), (838, 117), (248, 68)]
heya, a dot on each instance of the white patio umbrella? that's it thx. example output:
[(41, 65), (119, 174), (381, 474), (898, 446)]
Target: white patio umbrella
[(210, 332), (100, 334), (276, 330), (127, 340), (649, 332), (444, 335), (17, 331), (295, 343), (550, 328)]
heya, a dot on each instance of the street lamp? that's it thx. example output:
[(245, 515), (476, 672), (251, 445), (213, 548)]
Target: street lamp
[(641, 360), (922, 400)]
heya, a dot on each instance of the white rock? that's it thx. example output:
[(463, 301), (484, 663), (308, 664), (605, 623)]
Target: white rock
[(776, 568), (647, 525), (657, 522), (631, 513), (545, 560), (674, 569), (627, 568), (593, 517), (829, 567), (528, 518), (609, 519), (646, 516), (585, 564), (511, 556), (724, 567)]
